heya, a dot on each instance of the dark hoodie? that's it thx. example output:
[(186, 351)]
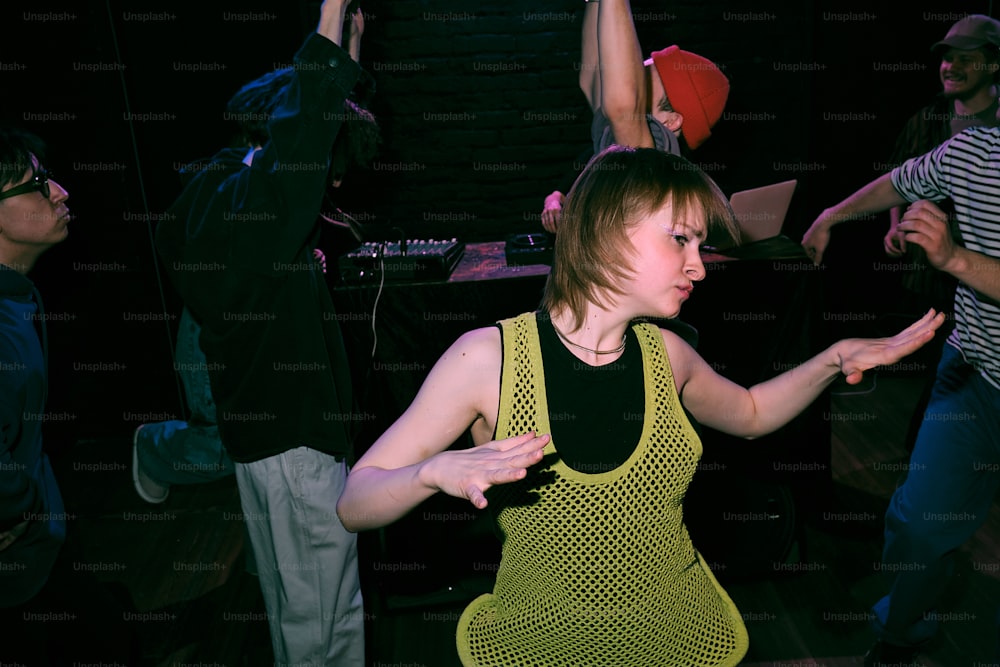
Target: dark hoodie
[(237, 245), (28, 489)]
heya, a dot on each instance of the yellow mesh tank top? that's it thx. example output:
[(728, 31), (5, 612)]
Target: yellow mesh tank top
[(598, 569)]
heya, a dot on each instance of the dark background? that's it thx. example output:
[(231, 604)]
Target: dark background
[(481, 116)]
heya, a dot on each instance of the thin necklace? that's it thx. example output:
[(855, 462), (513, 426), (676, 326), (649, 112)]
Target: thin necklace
[(587, 349)]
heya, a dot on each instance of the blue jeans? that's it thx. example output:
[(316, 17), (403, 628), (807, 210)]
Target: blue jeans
[(191, 452), (954, 474)]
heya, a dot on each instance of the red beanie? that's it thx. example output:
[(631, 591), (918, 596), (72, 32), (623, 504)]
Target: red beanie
[(696, 89)]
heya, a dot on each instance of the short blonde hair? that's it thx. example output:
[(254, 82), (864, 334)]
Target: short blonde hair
[(619, 187)]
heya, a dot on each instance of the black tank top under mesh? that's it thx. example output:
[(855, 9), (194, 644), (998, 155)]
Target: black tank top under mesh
[(596, 412)]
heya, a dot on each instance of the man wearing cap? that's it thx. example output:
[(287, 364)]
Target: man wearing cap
[(970, 60), (675, 96), (969, 53)]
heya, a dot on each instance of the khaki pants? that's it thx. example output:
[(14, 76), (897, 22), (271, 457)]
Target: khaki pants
[(307, 562)]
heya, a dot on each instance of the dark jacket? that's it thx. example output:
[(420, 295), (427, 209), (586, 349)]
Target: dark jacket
[(238, 245), (28, 489)]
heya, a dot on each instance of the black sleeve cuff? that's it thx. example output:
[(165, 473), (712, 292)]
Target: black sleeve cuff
[(318, 53)]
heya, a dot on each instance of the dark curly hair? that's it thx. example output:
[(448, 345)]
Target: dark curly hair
[(359, 135)]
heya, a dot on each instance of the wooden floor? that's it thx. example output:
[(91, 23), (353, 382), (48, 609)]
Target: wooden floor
[(183, 563)]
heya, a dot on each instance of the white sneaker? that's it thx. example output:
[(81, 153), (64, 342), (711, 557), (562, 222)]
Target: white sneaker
[(148, 489)]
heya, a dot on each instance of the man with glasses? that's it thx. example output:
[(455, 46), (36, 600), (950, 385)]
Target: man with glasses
[(38, 583), (34, 219)]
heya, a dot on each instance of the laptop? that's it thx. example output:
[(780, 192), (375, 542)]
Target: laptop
[(760, 212)]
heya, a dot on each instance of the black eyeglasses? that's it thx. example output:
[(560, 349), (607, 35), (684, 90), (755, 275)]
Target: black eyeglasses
[(38, 183)]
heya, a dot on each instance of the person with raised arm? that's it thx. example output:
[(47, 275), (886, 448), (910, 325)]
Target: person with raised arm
[(238, 245), (670, 100)]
